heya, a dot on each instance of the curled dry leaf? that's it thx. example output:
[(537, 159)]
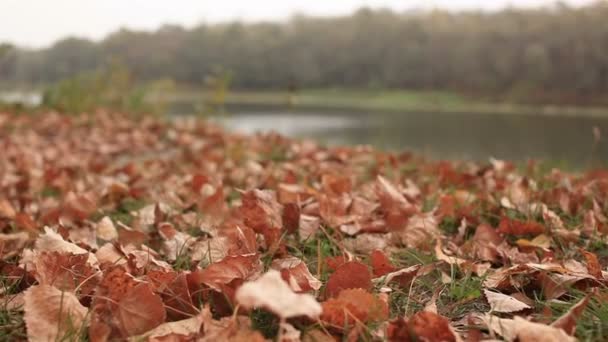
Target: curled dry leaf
[(223, 272), (237, 329), (403, 276), (271, 292), (50, 314), (503, 303), (51, 241), (593, 265), (350, 275), (366, 243), (106, 230), (419, 232), (522, 330), (262, 213), (6, 209), (308, 226), (567, 322), (485, 241), (295, 272), (393, 203), (12, 244)]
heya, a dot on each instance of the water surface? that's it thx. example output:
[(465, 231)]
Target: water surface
[(567, 139)]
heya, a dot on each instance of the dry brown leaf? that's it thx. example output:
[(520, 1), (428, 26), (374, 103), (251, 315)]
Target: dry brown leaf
[(271, 292), (233, 329), (184, 328), (261, 211), (51, 241), (593, 264), (522, 330), (500, 302), (567, 321), (230, 268), (50, 313), (12, 244), (420, 231), (66, 272), (485, 241), (106, 230), (140, 310), (295, 272), (403, 276), (6, 209)]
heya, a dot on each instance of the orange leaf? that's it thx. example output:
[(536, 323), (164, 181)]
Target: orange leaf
[(428, 326), (381, 264), (353, 305), (350, 275), (593, 264), (516, 227)]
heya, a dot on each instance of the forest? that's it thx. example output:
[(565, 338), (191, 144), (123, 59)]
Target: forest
[(556, 55)]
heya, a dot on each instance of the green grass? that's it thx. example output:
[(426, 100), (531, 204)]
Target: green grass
[(593, 324), (378, 99), (12, 326)]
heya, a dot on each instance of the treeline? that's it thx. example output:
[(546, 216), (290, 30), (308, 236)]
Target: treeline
[(552, 54)]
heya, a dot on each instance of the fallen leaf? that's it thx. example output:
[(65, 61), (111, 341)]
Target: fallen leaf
[(351, 306), (183, 329), (140, 310), (519, 329), (593, 265), (295, 272), (567, 321), (350, 275), (381, 264), (51, 314), (500, 302), (429, 326), (272, 293), (515, 227), (106, 230), (223, 272)]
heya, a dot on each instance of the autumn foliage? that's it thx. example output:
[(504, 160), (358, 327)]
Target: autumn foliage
[(112, 229)]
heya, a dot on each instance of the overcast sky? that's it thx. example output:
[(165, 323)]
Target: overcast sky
[(37, 23)]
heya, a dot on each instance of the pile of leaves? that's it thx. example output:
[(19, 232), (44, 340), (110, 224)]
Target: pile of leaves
[(113, 229)]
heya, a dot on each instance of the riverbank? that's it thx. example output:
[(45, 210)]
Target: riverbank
[(378, 100)]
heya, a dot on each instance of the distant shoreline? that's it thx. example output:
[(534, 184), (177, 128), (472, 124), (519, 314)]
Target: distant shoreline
[(376, 100)]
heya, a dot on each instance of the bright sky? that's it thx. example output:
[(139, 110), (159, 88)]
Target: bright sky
[(37, 23)]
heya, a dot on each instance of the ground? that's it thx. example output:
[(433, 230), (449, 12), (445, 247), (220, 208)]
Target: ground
[(114, 227)]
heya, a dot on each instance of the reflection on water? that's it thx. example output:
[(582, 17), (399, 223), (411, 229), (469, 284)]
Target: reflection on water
[(309, 124), (440, 135)]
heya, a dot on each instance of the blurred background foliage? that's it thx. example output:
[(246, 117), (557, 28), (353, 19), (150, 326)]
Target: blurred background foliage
[(112, 86), (555, 55)]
